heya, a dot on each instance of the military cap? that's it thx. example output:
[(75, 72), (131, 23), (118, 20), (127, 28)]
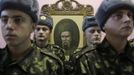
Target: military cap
[(46, 20), (30, 7), (89, 21)]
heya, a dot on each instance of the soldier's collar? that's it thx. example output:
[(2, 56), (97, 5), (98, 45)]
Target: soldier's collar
[(109, 52)]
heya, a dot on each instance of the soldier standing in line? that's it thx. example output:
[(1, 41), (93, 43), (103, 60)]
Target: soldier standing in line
[(42, 35), (114, 55), (21, 57), (92, 34), (92, 31)]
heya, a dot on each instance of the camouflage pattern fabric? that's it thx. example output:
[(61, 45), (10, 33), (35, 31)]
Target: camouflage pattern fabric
[(104, 60), (78, 54), (55, 49), (34, 62)]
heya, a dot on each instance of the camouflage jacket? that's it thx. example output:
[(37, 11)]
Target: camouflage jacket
[(79, 52), (55, 49), (74, 58), (34, 62), (104, 60)]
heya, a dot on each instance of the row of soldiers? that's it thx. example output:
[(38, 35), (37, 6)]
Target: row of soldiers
[(43, 30), (21, 56)]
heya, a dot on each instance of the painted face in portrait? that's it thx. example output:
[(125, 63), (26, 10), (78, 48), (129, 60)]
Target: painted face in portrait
[(66, 39)]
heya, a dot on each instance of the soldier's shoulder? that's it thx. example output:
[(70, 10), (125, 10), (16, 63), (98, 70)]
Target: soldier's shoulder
[(78, 50), (51, 56), (54, 46), (44, 52), (83, 52), (76, 53)]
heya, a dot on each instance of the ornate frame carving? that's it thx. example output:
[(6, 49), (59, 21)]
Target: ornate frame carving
[(66, 7)]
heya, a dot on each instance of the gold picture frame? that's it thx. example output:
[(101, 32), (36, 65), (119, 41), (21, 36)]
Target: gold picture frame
[(67, 16)]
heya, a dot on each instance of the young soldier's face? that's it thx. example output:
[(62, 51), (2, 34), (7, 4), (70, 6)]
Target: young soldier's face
[(41, 34), (16, 27), (120, 23), (93, 35)]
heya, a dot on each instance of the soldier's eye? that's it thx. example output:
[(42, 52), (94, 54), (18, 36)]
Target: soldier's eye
[(99, 31), (44, 29), (130, 15), (18, 20), (4, 20), (37, 29), (117, 16), (92, 31)]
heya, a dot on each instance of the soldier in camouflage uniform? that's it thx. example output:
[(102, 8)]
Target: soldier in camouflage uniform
[(91, 30), (115, 55), (92, 34), (20, 56), (42, 34)]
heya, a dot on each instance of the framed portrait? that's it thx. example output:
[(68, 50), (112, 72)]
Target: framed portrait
[(67, 23)]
